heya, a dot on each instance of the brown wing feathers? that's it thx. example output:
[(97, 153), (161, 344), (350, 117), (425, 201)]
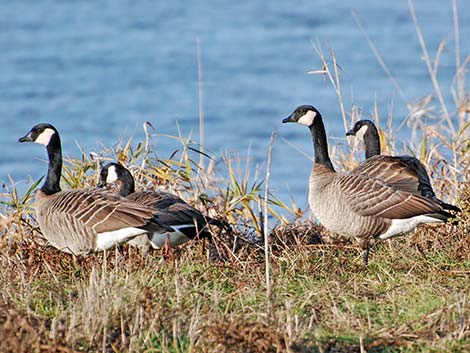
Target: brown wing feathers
[(390, 170), (100, 210), (373, 197), (169, 208)]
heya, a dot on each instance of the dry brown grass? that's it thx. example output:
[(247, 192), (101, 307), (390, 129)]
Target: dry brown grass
[(412, 297), (239, 335)]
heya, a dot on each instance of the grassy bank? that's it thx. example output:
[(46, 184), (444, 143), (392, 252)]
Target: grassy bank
[(412, 297)]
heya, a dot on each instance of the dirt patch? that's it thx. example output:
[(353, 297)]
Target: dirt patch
[(240, 336)]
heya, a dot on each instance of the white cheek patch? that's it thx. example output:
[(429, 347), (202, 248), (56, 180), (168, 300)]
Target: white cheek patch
[(307, 119), (362, 131), (112, 175), (45, 137)]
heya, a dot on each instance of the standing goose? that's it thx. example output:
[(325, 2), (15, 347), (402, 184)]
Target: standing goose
[(367, 131), (358, 205), (85, 220), (184, 221)]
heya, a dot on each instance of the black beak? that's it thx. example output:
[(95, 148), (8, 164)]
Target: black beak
[(351, 133), (289, 119), (101, 184), (26, 138)]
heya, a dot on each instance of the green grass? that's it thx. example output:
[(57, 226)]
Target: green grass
[(322, 300)]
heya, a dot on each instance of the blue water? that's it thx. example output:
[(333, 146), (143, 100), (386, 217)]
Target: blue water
[(99, 69)]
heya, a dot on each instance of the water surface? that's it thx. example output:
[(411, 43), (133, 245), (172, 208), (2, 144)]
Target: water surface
[(99, 69)]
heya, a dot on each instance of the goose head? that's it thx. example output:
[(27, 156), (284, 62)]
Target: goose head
[(304, 115), (43, 134), (360, 128), (48, 136), (115, 173), (309, 116), (366, 131)]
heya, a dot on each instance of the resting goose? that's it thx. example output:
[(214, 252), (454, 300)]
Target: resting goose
[(184, 221), (367, 131), (84, 220), (358, 205)]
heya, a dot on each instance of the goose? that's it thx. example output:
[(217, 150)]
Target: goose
[(359, 205), (84, 220), (367, 131), (184, 221)]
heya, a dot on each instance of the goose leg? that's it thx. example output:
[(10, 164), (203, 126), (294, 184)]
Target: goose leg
[(167, 249), (365, 254)]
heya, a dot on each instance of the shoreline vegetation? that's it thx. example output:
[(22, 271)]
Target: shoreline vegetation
[(305, 292)]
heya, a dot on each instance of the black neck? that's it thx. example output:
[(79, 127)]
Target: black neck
[(127, 185), (372, 142), (320, 144), (54, 151)]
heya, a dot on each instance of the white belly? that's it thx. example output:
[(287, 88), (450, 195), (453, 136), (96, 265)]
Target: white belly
[(175, 238), (402, 226), (107, 240)]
